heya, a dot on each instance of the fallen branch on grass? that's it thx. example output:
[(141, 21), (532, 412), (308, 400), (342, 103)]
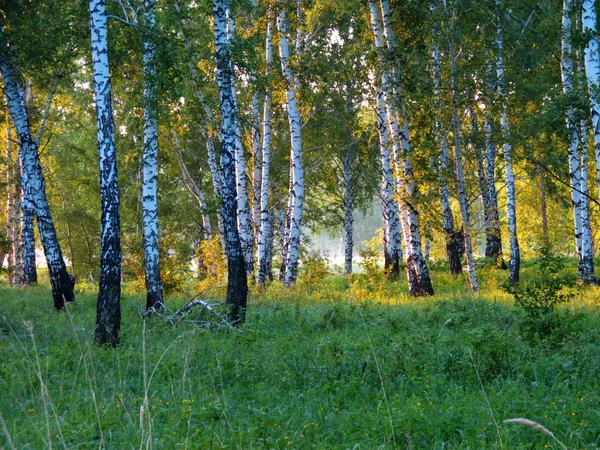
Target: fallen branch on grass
[(207, 316)]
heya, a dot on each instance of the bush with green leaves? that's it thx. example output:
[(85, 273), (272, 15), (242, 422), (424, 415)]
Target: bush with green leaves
[(540, 297)]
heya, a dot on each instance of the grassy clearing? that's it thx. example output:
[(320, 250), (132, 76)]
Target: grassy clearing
[(342, 364)]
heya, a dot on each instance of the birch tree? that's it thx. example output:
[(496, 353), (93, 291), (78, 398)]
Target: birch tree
[(265, 228), (33, 181), (585, 264), (511, 200), (296, 163), (417, 270), (154, 296), (458, 159), (108, 310), (453, 252), (237, 287)]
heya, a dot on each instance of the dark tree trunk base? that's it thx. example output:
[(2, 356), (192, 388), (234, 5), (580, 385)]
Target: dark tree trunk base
[(237, 290), (62, 289), (493, 250), (453, 252), (154, 300), (418, 287), (108, 314)]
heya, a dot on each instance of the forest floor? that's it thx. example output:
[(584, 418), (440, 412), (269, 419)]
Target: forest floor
[(338, 364)]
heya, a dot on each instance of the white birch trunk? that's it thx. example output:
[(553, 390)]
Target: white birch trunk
[(11, 210), (265, 220), (587, 240), (348, 214), (154, 297), (243, 203), (237, 284), (592, 70), (420, 280), (297, 190), (257, 165), (391, 219), (28, 242), (108, 313), (460, 177), (567, 70), (511, 198), (33, 181)]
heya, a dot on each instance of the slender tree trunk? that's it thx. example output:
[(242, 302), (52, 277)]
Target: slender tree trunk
[(108, 309), (592, 70), (207, 125), (348, 217), (587, 239), (297, 191), (33, 180), (585, 272), (460, 178), (417, 270), (543, 206), (265, 231), (154, 289), (237, 284), (493, 245), (10, 206), (453, 251), (28, 243), (511, 198), (244, 213), (257, 165), (391, 220)]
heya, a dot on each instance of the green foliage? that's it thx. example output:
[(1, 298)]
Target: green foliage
[(540, 297), (370, 255), (314, 267)]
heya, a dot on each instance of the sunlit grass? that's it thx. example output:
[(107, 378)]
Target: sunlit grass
[(347, 363)]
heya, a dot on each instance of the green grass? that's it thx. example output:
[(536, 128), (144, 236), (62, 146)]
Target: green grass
[(345, 364)]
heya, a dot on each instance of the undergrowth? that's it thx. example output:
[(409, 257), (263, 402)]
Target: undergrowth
[(344, 363)]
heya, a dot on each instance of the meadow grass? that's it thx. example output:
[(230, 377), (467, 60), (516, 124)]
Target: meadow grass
[(346, 363)]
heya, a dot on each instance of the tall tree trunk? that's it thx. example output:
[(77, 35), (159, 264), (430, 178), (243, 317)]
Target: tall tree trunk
[(460, 177), (392, 232), (297, 166), (348, 217), (587, 239), (257, 165), (237, 284), (453, 251), (207, 125), (108, 309), (265, 229), (493, 245), (417, 270), (33, 180), (592, 70), (585, 272), (154, 289), (28, 243), (243, 202), (511, 198), (10, 206)]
